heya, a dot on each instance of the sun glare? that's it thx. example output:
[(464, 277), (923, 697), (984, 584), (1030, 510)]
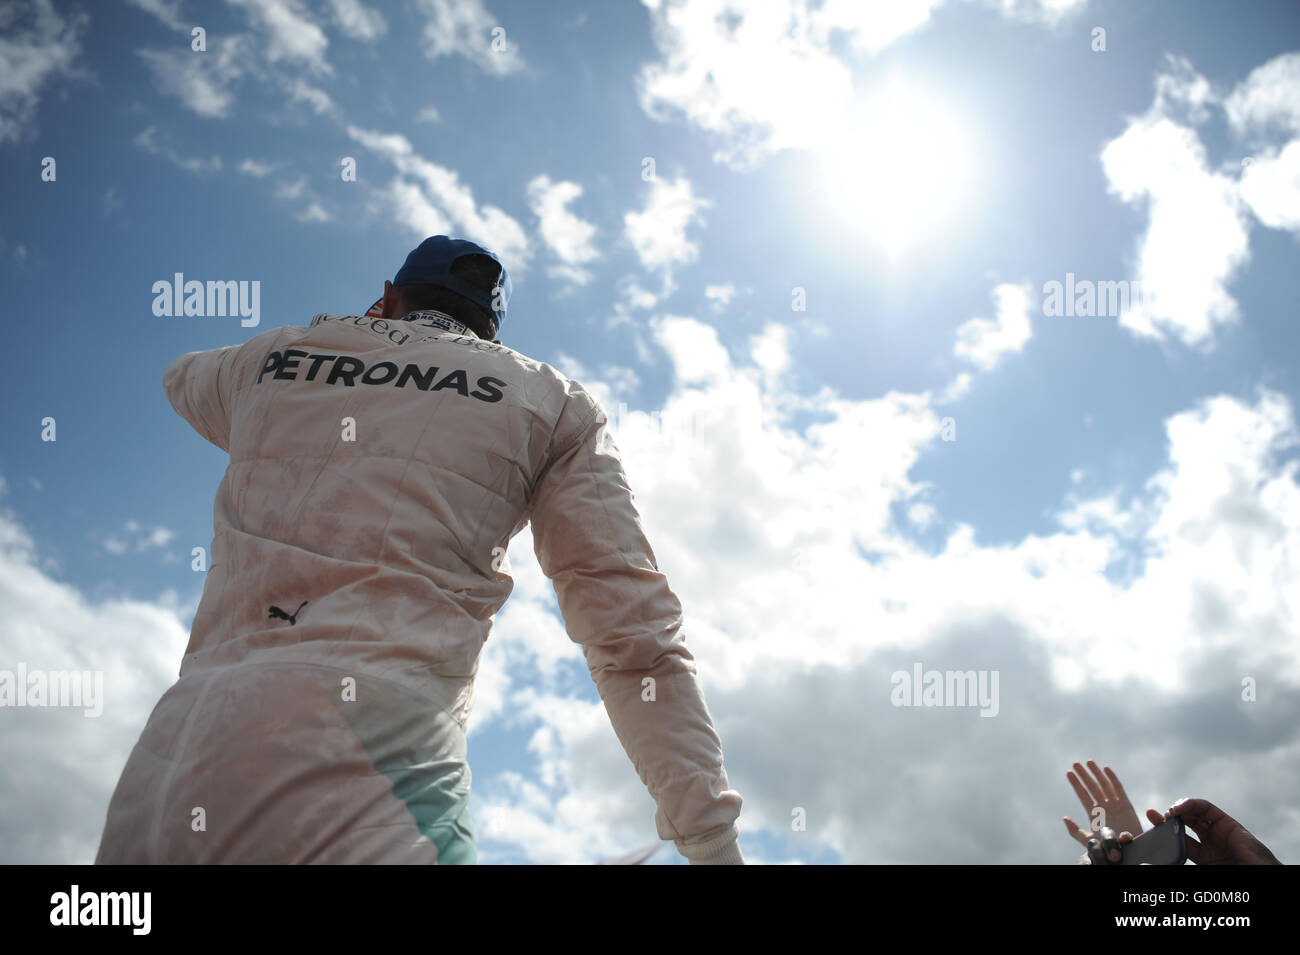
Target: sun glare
[(899, 168)]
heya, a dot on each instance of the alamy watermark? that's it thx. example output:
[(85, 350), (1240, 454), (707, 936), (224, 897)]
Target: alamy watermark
[(130, 909), (666, 428), (54, 688), (208, 300), (1084, 298), (924, 687)]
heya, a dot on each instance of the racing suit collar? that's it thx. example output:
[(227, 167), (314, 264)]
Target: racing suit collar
[(432, 318)]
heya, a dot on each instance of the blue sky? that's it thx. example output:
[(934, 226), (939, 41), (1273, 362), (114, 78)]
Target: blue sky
[(805, 246)]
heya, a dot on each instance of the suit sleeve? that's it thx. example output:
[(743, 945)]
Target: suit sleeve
[(617, 605), (199, 385)]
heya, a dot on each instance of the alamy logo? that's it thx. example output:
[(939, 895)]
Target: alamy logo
[(924, 687), (215, 299), (102, 908), (1085, 298), (275, 612), (71, 688)]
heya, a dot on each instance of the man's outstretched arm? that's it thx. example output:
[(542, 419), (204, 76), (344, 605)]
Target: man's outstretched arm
[(198, 384), (617, 605)]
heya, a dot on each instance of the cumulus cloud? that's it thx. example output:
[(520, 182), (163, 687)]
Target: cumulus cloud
[(256, 168), (658, 232), (283, 41), (720, 296), (202, 82), (357, 20), (309, 207), (148, 140), (1263, 109), (1041, 11), (134, 536), (1270, 186), (804, 595), (1196, 239), (984, 341), (466, 28), (1196, 242), (300, 91), (1267, 98), (55, 807), (759, 77), (290, 33), (436, 202), (770, 76), (567, 237), (36, 47)]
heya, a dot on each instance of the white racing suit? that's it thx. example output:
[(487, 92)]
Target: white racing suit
[(378, 468)]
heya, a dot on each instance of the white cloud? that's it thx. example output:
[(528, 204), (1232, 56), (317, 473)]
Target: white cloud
[(36, 47), (292, 189), (658, 232), (428, 114), (922, 514), (166, 11), (1268, 99), (1182, 90), (759, 77), (357, 20), (1196, 239), (1264, 105), (300, 91), (414, 210), (765, 77), (633, 295), (148, 141), (290, 32), (135, 536), (439, 203), (1042, 11), (567, 237), (984, 341), (466, 28), (256, 168), (957, 389), (795, 656), (720, 295), (1270, 186), (309, 207), (55, 808), (201, 81), (870, 27), (313, 212)]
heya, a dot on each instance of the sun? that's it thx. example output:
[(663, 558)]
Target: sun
[(899, 165)]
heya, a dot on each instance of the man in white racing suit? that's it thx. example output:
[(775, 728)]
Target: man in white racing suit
[(379, 465)]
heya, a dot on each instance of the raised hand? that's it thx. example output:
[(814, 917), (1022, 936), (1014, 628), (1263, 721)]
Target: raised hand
[(1101, 789)]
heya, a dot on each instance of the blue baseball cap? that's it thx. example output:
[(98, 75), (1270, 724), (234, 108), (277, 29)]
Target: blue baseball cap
[(430, 263)]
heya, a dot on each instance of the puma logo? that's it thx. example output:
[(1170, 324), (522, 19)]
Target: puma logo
[(276, 612)]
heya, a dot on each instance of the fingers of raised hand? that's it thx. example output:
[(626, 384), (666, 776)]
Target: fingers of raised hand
[(1077, 834), (1094, 790), (1116, 785)]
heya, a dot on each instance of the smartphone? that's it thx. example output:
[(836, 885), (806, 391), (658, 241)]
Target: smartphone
[(1166, 844)]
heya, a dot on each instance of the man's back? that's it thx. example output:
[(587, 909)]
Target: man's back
[(378, 469)]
